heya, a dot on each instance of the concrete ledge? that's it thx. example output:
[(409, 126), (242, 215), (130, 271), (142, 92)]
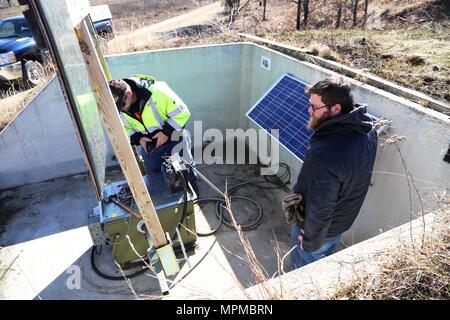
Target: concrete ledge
[(373, 80), (321, 279)]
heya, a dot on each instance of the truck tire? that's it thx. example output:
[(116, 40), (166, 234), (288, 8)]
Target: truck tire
[(33, 73)]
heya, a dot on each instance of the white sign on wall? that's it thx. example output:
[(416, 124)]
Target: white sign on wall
[(265, 62)]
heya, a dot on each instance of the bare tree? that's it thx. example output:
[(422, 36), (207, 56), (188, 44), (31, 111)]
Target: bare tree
[(355, 12), (305, 12), (366, 6), (339, 14), (264, 10), (299, 13)]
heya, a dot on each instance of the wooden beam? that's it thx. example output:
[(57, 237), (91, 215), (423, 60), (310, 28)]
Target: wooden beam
[(119, 139)]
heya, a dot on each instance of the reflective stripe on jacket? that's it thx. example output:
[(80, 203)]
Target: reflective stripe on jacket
[(163, 108)]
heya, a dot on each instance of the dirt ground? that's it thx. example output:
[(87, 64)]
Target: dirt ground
[(132, 15), (146, 37)]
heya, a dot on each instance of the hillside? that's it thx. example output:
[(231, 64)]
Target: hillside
[(405, 41)]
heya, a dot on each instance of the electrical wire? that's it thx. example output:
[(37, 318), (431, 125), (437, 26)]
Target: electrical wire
[(110, 277), (278, 182)]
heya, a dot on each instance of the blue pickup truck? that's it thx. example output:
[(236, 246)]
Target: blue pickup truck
[(20, 58), (19, 55)]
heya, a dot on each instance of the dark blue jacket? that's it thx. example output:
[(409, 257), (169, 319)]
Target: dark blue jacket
[(335, 175)]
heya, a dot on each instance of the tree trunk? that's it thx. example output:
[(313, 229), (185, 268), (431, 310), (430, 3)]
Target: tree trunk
[(339, 15), (305, 12), (366, 6), (264, 10), (299, 13), (355, 12)]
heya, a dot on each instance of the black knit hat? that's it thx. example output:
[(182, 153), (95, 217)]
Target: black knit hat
[(118, 89)]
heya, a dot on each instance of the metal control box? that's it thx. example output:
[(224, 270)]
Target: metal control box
[(109, 223)]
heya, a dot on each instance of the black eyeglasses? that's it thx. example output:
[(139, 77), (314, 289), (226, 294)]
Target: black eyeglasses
[(316, 108)]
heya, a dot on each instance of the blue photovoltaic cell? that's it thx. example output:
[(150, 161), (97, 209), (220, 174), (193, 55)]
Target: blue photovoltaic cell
[(285, 107)]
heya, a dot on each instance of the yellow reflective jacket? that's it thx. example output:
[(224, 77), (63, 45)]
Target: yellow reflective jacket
[(164, 111)]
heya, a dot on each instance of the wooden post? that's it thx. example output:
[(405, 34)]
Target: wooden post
[(118, 137)]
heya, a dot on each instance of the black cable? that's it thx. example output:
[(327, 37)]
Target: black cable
[(217, 227), (244, 227), (185, 198), (109, 277), (185, 203), (220, 207)]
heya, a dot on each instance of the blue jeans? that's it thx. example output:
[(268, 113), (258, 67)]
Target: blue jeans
[(300, 258), (153, 161)]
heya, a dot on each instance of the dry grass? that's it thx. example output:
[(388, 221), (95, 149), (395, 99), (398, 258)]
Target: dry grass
[(13, 103), (6, 11), (400, 34), (416, 58), (414, 55), (322, 50), (18, 96), (410, 271)]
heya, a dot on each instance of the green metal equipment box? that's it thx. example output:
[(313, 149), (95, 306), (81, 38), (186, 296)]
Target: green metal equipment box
[(109, 223)]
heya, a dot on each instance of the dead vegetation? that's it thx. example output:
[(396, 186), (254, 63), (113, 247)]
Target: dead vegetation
[(410, 271), (18, 95), (405, 41)]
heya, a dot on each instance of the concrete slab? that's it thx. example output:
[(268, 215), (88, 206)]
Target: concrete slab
[(46, 247)]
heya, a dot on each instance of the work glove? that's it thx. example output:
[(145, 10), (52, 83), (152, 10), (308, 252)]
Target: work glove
[(293, 210)]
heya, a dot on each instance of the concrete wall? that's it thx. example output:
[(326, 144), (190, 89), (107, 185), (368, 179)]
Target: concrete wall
[(37, 147), (208, 79), (41, 143), (220, 83)]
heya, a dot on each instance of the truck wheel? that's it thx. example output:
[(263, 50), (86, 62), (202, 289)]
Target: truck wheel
[(33, 73)]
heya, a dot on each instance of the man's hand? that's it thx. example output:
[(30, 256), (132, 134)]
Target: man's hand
[(143, 142), (161, 139)]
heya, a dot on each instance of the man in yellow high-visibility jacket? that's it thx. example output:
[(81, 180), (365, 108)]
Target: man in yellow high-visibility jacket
[(152, 114)]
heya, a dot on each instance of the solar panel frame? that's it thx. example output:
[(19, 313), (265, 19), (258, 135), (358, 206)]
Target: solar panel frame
[(302, 134)]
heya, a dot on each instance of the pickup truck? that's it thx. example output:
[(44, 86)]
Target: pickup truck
[(19, 56), (21, 59)]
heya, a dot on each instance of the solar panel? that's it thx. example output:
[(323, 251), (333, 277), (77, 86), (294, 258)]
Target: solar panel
[(285, 107)]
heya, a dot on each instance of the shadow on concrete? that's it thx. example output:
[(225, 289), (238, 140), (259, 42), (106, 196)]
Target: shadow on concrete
[(93, 287), (42, 209)]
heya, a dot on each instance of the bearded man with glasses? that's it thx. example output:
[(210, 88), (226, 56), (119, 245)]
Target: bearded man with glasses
[(336, 172)]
